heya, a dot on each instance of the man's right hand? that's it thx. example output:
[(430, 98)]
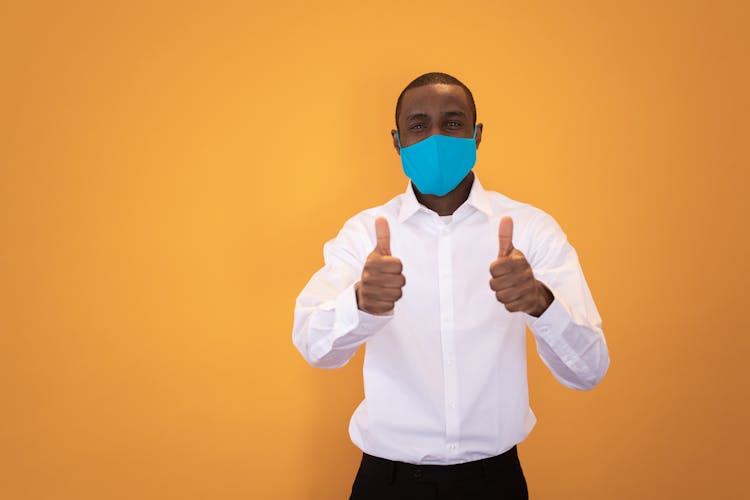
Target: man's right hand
[(381, 282)]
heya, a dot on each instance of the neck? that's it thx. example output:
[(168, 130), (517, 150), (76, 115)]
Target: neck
[(449, 202)]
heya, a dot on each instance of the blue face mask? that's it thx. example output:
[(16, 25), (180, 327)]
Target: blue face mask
[(437, 164)]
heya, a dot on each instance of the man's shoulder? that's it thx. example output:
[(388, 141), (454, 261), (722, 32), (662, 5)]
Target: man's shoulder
[(502, 205), (358, 231), (367, 216), (498, 204)]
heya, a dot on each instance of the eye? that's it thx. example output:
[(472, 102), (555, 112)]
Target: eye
[(417, 126), (453, 124)]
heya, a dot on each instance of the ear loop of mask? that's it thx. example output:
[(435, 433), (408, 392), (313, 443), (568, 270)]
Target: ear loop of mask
[(398, 137)]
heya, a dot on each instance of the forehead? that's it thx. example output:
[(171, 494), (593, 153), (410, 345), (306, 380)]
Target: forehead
[(434, 97)]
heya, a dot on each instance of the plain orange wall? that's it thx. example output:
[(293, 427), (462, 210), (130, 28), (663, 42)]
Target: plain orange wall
[(169, 174)]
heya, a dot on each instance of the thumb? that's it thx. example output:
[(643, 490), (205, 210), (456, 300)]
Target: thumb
[(383, 235), (505, 235)]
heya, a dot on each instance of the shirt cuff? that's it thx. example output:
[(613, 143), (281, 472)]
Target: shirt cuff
[(549, 327), (352, 325)]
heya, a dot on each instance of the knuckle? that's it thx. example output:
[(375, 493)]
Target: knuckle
[(378, 307), (397, 266)]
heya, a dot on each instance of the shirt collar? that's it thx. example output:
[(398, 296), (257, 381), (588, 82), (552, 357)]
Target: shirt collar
[(477, 198)]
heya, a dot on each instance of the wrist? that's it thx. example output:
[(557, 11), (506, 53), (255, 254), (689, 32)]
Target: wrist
[(356, 293), (545, 298)]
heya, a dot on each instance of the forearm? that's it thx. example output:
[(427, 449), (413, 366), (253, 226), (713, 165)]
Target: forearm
[(573, 348), (328, 333)]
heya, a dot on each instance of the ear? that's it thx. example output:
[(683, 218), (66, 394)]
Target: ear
[(478, 138), (394, 136)]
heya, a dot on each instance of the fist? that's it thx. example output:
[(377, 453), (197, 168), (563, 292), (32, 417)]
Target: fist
[(513, 280), (382, 281)]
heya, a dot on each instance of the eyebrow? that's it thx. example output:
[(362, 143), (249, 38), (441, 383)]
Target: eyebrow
[(417, 116), (422, 116)]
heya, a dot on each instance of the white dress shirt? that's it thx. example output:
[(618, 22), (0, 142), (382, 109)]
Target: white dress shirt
[(445, 373)]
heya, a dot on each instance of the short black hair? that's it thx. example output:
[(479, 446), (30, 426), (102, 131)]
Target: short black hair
[(433, 78)]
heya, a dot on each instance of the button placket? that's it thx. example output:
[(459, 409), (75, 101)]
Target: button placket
[(447, 337)]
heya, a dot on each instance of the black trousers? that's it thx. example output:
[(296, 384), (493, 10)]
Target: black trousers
[(499, 477)]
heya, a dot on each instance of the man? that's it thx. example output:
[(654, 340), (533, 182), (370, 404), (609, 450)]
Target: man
[(440, 283)]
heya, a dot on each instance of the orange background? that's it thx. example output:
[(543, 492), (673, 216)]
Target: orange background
[(169, 174)]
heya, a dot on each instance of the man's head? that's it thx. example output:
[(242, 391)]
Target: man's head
[(435, 103)]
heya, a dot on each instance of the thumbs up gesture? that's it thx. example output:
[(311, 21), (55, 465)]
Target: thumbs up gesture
[(381, 282), (512, 278)]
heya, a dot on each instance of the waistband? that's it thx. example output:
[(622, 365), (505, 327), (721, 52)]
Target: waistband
[(484, 468)]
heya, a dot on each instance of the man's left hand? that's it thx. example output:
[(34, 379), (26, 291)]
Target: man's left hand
[(513, 280)]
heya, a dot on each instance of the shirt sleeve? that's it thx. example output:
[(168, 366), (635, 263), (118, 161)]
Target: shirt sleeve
[(328, 325), (569, 336)]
